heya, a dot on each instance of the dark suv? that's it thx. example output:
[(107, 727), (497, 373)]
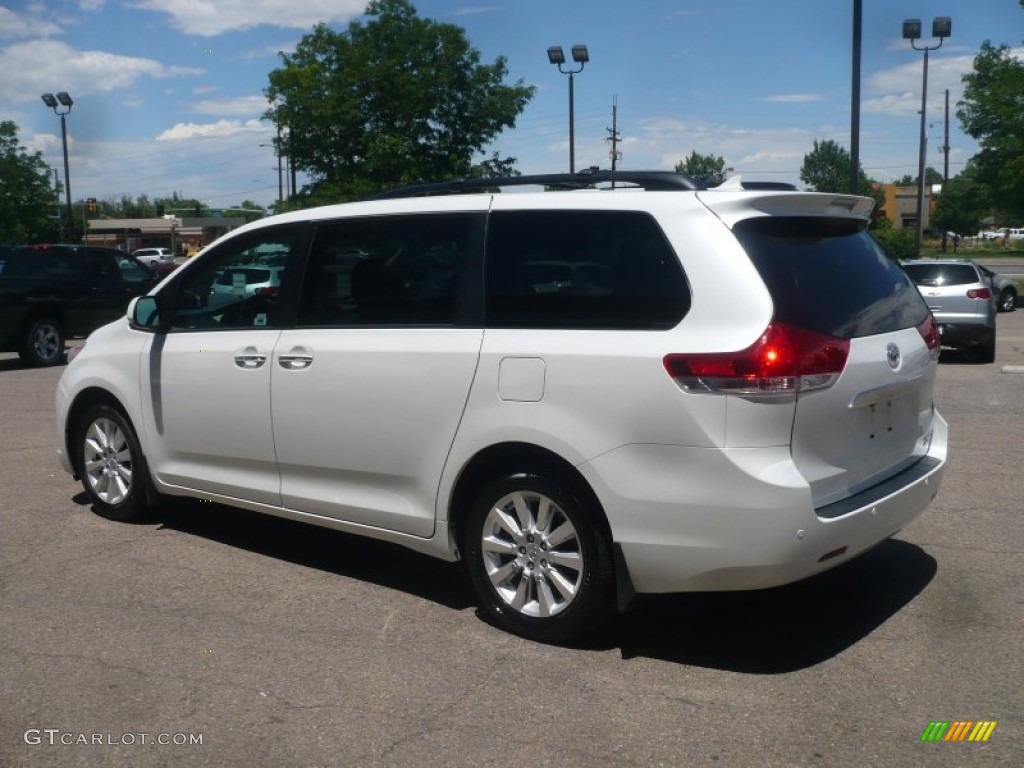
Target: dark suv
[(51, 292)]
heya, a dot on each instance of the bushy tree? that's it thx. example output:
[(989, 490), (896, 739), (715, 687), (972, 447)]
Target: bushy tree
[(826, 168), (707, 169), (963, 204), (992, 112), (27, 201), (393, 100), (901, 243)]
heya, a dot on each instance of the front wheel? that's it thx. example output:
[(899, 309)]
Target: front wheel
[(111, 464), (539, 559)]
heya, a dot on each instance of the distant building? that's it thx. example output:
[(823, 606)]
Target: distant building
[(181, 235), (901, 205)]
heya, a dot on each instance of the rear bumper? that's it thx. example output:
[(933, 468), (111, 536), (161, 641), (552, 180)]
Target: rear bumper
[(955, 334), (755, 526)]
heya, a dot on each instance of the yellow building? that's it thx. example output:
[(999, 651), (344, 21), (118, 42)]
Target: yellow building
[(901, 205)]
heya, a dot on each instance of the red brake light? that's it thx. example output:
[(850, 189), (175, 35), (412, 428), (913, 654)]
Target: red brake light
[(929, 331), (979, 293), (271, 290), (785, 360)]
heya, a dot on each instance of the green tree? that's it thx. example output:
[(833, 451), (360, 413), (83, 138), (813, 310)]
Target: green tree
[(826, 168), (395, 100), (964, 202), (27, 200), (495, 167), (931, 176), (707, 169), (249, 210), (992, 112)]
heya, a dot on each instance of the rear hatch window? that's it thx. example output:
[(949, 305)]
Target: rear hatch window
[(942, 274), (831, 277)]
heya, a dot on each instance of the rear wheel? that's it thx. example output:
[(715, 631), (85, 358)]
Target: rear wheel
[(539, 559), (1007, 300), (111, 464), (43, 343), (986, 351)]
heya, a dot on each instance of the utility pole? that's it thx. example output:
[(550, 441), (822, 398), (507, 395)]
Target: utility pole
[(56, 191), (613, 135), (945, 164)]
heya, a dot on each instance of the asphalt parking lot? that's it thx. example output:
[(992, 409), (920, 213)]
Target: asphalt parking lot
[(276, 644)]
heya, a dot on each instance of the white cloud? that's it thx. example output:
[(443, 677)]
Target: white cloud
[(91, 5), (208, 18), (476, 10), (21, 25), (897, 91), (33, 67), (794, 98), (269, 51), (220, 129), (199, 90), (244, 105)]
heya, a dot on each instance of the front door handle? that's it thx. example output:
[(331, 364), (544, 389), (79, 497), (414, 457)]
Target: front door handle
[(296, 360), (250, 358)]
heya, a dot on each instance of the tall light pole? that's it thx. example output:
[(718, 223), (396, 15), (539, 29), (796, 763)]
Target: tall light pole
[(62, 100), (942, 27), (557, 57), (858, 13)]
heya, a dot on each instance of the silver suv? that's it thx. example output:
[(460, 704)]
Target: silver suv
[(581, 395), (960, 296)]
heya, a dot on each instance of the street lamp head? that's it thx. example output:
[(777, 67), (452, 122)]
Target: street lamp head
[(912, 29), (556, 55), (942, 26), (49, 101), (64, 99), (580, 54)]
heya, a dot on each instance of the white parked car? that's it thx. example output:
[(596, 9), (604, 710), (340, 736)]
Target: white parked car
[(582, 395), (154, 256)]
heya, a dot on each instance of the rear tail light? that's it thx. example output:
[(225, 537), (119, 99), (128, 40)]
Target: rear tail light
[(785, 360), (272, 290), (929, 331), (979, 293)]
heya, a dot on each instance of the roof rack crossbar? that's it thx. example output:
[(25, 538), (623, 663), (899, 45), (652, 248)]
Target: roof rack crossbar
[(652, 181)]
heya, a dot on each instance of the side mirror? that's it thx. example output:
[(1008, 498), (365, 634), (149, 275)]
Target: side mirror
[(144, 314)]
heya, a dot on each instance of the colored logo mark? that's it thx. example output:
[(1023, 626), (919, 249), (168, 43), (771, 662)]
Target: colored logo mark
[(958, 730)]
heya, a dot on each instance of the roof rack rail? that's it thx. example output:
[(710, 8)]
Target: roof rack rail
[(652, 181)]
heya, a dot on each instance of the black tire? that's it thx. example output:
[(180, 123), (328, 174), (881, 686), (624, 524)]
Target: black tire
[(528, 581), (111, 464), (43, 343), (986, 351), (1007, 300)]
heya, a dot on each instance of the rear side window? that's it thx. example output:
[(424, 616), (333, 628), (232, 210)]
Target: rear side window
[(49, 264), (581, 270), (942, 274), (830, 276)]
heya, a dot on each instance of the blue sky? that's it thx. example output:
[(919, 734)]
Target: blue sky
[(168, 93)]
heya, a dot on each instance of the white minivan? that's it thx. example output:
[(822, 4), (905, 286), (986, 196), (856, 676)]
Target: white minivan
[(583, 394)]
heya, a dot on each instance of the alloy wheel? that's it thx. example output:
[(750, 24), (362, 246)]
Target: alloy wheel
[(532, 554), (108, 461)]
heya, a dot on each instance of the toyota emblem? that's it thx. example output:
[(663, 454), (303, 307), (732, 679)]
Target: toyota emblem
[(892, 354)]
